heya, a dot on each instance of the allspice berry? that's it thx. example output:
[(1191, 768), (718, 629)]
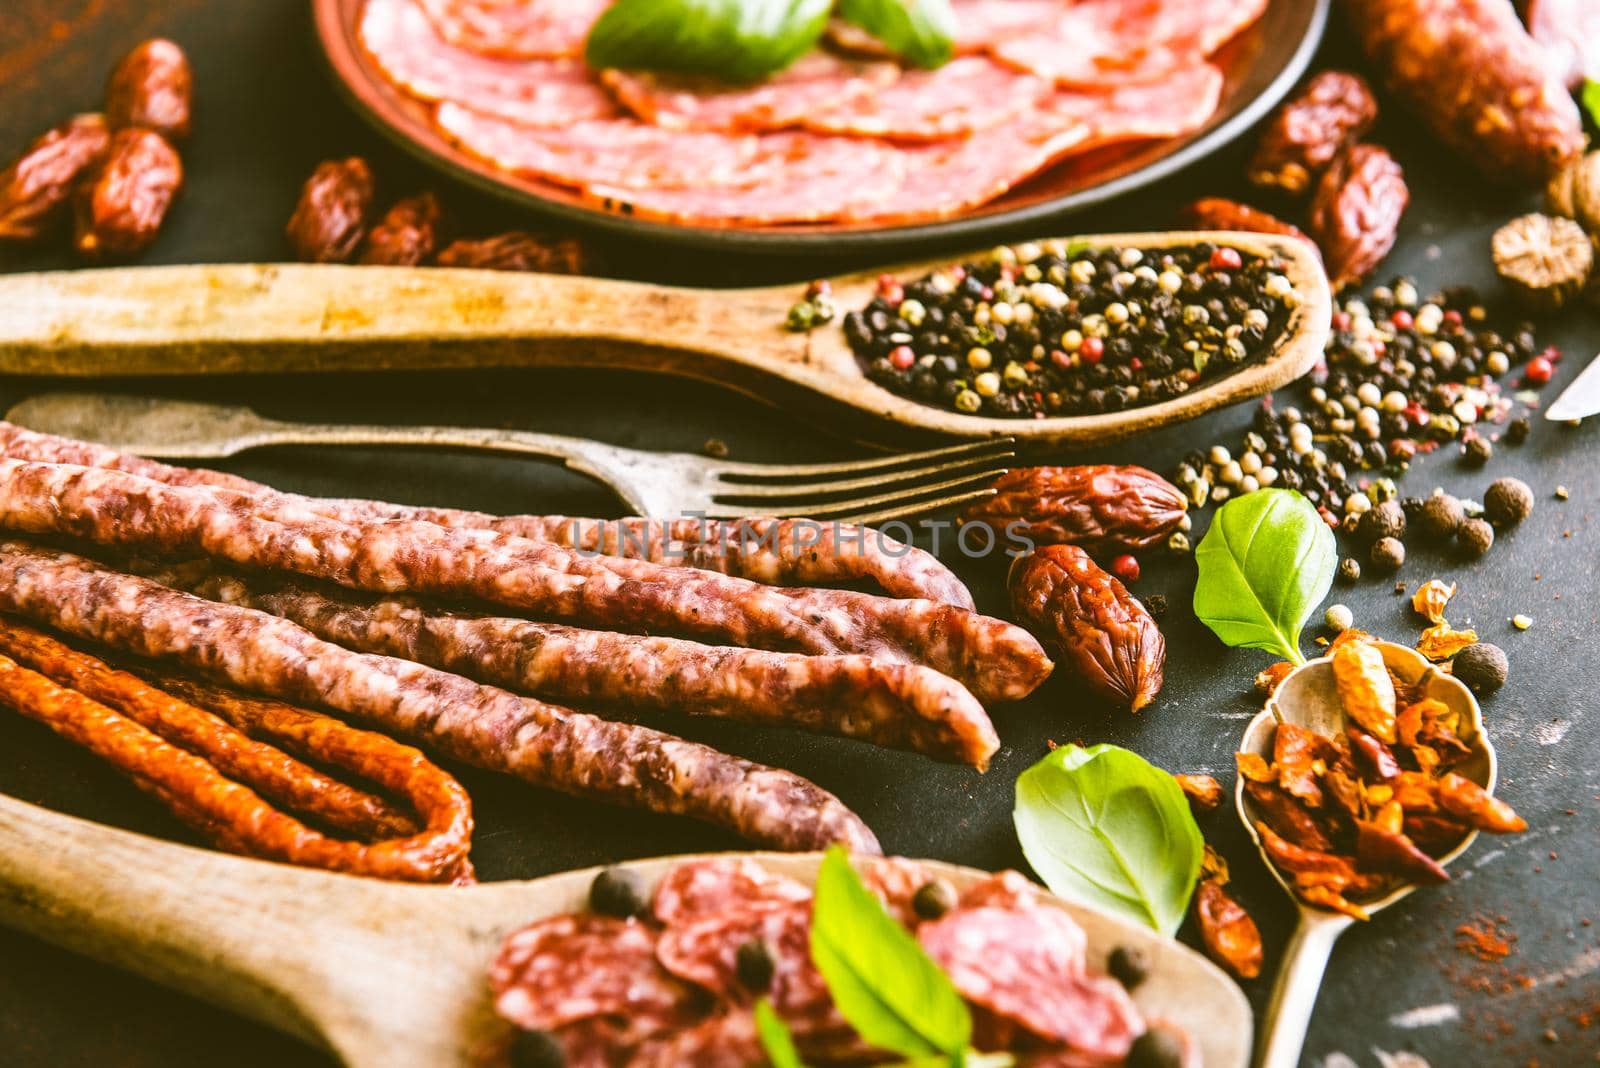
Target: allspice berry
[(1440, 518), (1507, 501), (1386, 520), (1482, 667), (1388, 554), (1349, 570), (1474, 537), (1477, 450)]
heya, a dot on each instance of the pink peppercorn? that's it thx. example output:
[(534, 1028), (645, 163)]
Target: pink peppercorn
[(1126, 567), (1402, 319), (819, 288), (1091, 350), (902, 357), (1538, 371), (1452, 318), (1341, 320), (1226, 259), (1060, 359)]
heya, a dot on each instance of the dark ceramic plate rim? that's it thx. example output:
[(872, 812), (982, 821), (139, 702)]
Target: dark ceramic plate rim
[(813, 242)]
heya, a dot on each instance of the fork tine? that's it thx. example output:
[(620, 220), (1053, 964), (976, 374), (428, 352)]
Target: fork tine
[(825, 509), (976, 449), (896, 511), (784, 491)]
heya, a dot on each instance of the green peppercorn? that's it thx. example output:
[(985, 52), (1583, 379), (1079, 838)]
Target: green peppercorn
[(968, 401), (802, 316)]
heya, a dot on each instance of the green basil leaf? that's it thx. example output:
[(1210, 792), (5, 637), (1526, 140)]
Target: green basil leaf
[(776, 1041), (922, 32), (1589, 96), (736, 40), (888, 989), (1105, 827), (1265, 564)]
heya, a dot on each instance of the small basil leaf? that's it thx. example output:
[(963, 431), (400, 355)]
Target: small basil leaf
[(776, 1041), (888, 989), (1265, 564), (736, 40), (1105, 827), (1590, 98), (920, 31)]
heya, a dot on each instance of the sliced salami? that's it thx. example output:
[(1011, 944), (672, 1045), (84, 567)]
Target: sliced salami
[(535, 92), (704, 952), (699, 888), (1179, 104), (726, 1041), (573, 967), (796, 177), (516, 29), (1095, 43), (979, 24), (1004, 889), (966, 94), (1027, 965), (818, 81), (622, 153)]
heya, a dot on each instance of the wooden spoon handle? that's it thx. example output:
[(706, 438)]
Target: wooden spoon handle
[(300, 317), (1294, 995)]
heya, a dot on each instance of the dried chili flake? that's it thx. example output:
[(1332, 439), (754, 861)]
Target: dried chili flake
[(1365, 689), (1203, 791), (1431, 598), (1441, 641), (1230, 935)]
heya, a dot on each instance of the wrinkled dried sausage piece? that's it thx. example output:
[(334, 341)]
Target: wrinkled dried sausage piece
[(120, 211), (1027, 965), (696, 889), (152, 87), (518, 251), (331, 217), (1218, 213), (1334, 109), (1477, 79), (1230, 935), (36, 188), (572, 967), (1355, 214), (1100, 508), (1102, 630), (406, 235)]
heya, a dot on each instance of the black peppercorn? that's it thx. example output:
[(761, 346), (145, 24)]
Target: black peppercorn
[(1518, 429), (618, 892), (1156, 1048), (1412, 507), (1482, 667), (537, 1049), (1476, 450), (1440, 518), (1128, 965), (1507, 501), (1388, 554), (1349, 570), (933, 899), (1474, 537), (1156, 605), (753, 965)]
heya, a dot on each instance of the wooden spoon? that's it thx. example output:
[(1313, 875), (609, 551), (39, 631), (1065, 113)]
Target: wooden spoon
[(1307, 696), (230, 319), (394, 976)]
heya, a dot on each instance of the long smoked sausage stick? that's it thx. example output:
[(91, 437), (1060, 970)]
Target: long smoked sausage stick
[(899, 705), (479, 725), (994, 659), (780, 552)]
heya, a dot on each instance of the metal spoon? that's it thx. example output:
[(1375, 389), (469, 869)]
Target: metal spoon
[(1307, 697)]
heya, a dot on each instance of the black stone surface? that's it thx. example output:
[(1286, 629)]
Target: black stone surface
[(266, 115)]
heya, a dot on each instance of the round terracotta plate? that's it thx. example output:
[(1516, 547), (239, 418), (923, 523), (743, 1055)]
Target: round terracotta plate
[(1262, 65)]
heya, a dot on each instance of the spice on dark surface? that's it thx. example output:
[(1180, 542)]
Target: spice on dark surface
[(1476, 450), (1544, 260), (1055, 329), (1474, 538), (1349, 570), (1440, 518), (1485, 939), (1482, 666), (1507, 501), (1388, 554)]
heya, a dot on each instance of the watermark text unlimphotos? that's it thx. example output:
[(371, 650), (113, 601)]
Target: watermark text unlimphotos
[(696, 536)]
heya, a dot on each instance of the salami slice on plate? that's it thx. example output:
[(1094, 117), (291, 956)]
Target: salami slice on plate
[(1178, 104), (1027, 966), (569, 968), (700, 888), (704, 953), (979, 23), (966, 94), (622, 153), (535, 92), (726, 1041), (1095, 43), (516, 29), (820, 80)]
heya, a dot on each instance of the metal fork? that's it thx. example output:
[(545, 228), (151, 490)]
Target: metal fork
[(652, 483)]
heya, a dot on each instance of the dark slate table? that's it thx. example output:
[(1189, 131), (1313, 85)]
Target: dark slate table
[(266, 115)]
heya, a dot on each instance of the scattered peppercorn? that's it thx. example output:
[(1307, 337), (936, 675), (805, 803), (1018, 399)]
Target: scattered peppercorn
[(1156, 1048), (1349, 570), (1475, 537), (1156, 605), (1339, 618), (1507, 501), (1128, 965), (618, 892), (1482, 666), (537, 1049), (1386, 520), (1441, 516), (753, 965), (1518, 429), (933, 899), (1388, 554), (1126, 567), (1066, 329), (1476, 450)]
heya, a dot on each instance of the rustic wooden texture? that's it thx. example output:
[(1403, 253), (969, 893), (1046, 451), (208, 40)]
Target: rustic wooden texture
[(235, 319), (394, 976)]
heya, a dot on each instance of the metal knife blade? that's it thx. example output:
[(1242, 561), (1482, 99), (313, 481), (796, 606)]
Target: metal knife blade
[(1579, 400)]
